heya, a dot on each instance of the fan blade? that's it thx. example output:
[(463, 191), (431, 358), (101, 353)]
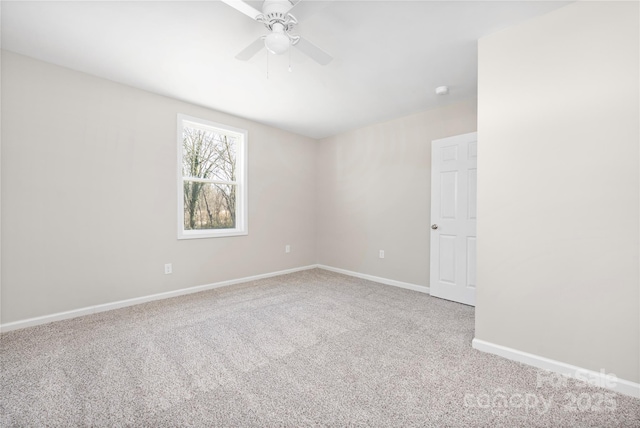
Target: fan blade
[(247, 53), (241, 6), (313, 52), (304, 9)]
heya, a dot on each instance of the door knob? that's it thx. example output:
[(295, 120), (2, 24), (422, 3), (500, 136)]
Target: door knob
[(434, 226)]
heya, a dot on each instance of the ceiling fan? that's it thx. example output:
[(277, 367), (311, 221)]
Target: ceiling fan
[(277, 18)]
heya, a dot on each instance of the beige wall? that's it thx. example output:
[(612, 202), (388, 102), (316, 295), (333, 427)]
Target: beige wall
[(89, 210), (558, 188), (373, 193), (89, 191)]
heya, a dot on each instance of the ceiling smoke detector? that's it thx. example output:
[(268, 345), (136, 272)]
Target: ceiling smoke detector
[(442, 90)]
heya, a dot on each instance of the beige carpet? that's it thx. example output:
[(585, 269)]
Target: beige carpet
[(312, 348)]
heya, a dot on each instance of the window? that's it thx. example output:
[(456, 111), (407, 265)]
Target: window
[(212, 179)]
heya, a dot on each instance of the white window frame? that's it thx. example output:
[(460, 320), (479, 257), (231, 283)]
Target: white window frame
[(241, 136)]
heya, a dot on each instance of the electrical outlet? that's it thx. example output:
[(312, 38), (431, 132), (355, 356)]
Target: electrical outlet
[(382, 254), (168, 268), (287, 248)]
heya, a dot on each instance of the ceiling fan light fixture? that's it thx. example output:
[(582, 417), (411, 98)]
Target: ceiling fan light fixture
[(277, 43)]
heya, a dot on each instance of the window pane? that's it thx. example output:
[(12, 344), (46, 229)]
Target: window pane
[(208, 154), (209, 206)]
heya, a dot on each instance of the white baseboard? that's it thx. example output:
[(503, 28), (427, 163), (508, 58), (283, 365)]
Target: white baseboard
[(30, 322), (45, 319), (599, 378), (409, 286)]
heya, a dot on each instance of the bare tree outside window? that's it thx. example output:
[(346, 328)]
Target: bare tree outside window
[(209, 179)]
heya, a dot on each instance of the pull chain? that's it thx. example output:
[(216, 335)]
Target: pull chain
[(267, 65), (289, 59)]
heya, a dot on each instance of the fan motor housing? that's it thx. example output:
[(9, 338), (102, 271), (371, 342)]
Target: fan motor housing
[(276, 11)]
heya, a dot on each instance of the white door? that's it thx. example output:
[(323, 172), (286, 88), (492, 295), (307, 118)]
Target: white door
[(453, 218)]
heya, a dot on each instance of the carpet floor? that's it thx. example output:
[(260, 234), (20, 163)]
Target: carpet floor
[(312, 348)]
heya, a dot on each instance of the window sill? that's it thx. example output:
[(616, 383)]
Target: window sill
[(199, 234)]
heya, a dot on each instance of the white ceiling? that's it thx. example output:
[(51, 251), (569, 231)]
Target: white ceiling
[(388, 55)]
